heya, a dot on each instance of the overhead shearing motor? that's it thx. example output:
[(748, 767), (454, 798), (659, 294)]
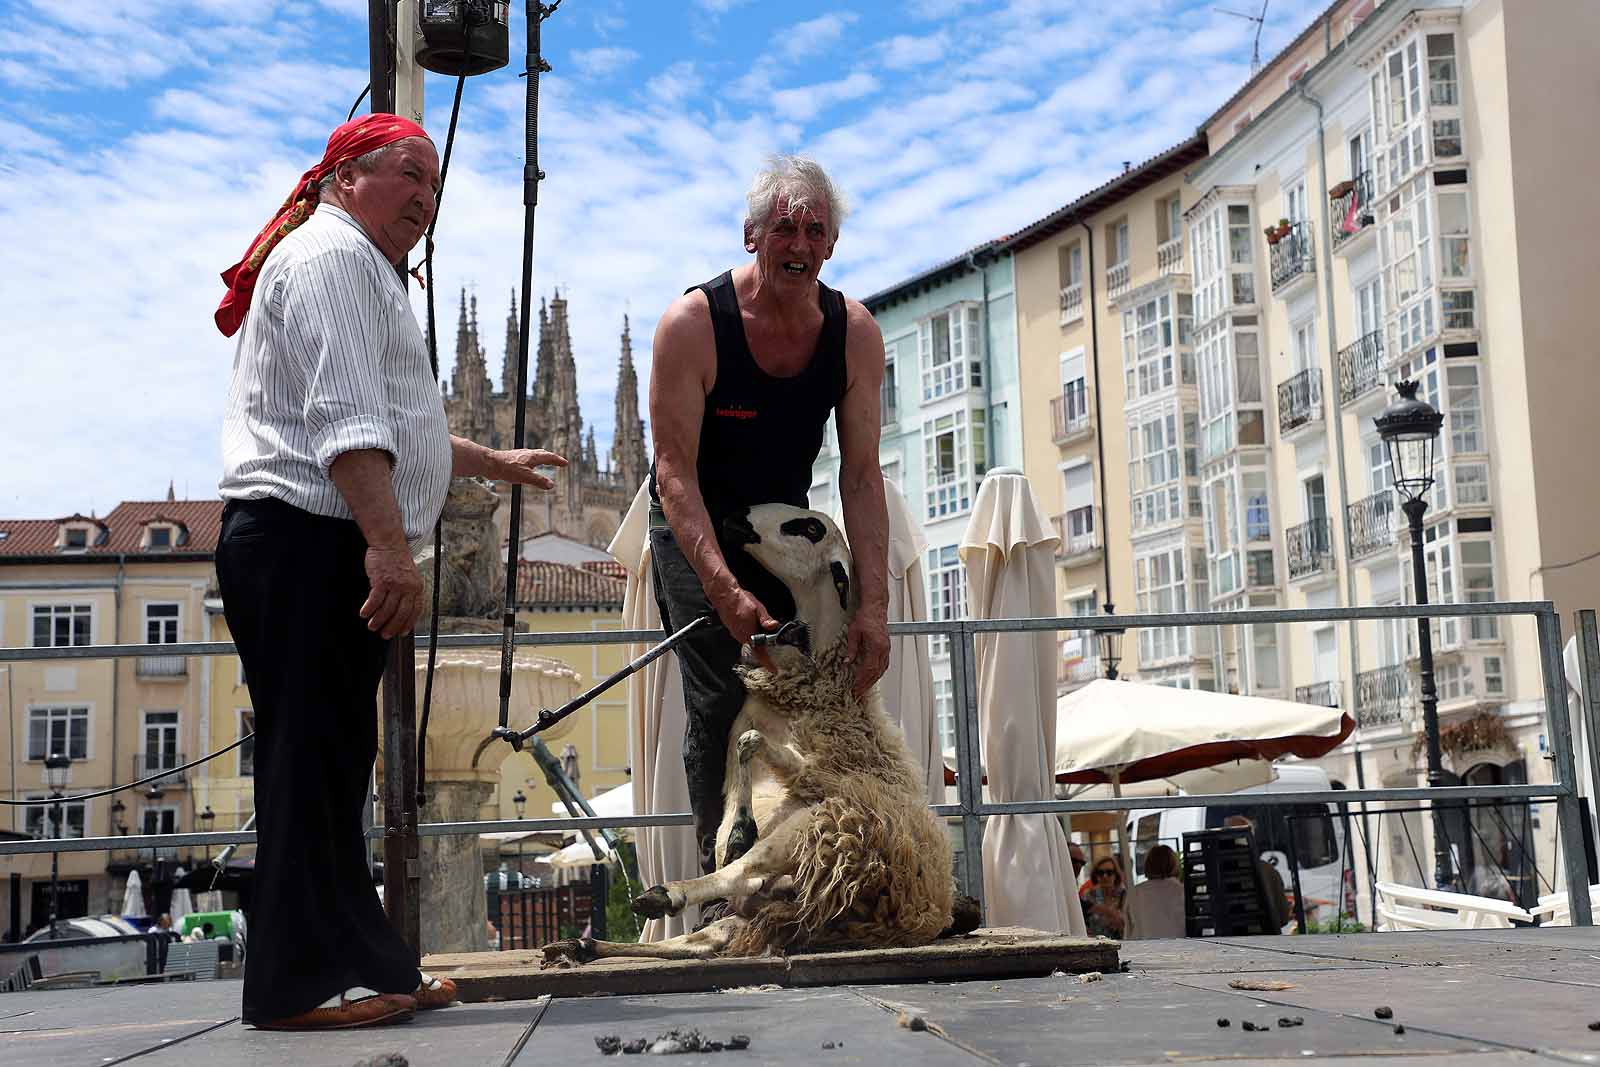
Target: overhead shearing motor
[(463, 37)]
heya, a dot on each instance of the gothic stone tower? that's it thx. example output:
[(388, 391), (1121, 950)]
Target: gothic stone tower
[(629, 461)]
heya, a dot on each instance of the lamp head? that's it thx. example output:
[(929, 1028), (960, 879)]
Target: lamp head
[(1409, 427), (56, 768)]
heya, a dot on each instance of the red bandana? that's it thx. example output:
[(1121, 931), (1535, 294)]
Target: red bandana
[(355, 138)]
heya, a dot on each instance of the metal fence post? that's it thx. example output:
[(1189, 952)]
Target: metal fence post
[(1589, 698), (969, 778), (401, 860), (1574, 855)]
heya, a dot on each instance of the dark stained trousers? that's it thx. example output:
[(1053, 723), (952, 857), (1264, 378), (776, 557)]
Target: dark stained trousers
[(712, 693), (292, 584)]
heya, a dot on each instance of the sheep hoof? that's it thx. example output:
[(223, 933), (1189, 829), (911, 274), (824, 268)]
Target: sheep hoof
[(749, 744), (741, 837), (654, 903), (570, 950)]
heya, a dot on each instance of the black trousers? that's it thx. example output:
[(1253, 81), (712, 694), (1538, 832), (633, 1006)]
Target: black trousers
[(712, 693), (292, 584)]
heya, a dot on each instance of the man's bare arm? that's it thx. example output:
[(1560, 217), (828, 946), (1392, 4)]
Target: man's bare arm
[(683, 368), (866, 518), (364, 477)]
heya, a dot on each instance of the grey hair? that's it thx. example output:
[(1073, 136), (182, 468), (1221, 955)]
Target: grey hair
[(366, 163), (799, 180)]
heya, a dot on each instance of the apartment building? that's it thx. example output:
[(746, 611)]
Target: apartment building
[(140, 574), (1104, 321), (1383, 202), (951, 411)]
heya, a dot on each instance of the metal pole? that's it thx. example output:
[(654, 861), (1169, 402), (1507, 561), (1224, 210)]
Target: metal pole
[(402, 874), (1443, 876), (1589, 697), (55, 860), (969, 775), (1575, 854)]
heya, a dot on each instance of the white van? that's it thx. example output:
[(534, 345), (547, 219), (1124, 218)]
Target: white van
[(1327, 874)]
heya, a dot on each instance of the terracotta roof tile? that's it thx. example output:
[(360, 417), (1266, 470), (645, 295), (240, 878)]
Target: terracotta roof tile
[(544, 584), (124, 531)]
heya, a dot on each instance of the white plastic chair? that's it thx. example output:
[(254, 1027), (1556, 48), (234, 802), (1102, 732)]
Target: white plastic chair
[(1555, 909), (1407, 907)]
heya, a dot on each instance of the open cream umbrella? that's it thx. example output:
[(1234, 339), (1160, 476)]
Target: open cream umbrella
[(614, 803), (657, 721), (1120, 732), (907, 686), (133, 897), (1009, 552)]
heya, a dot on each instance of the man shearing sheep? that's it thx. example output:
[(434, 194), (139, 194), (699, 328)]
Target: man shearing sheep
[(747, 369)]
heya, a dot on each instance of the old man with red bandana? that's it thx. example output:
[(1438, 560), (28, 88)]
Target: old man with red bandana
[(336, 461)]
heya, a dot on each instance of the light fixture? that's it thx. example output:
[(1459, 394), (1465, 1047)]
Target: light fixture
[(1410, 431), (56, 769), (463, 37), (1110, 646), (519, 802)]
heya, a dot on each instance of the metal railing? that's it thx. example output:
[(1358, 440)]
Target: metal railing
[(1169, 256), (1369, 524), (148, 763), (1352, 208), (1322, 694), (1361, 366), (971, 807), (1308, 549), (1300, 400), (1082, 541), (162, 667), (1069, 412), (1383, 695), (1290, 256)]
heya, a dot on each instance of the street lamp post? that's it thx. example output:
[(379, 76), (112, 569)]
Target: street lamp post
[(519, 802), (206, 818), (1410, 431), (1110, 646), (56, 767)]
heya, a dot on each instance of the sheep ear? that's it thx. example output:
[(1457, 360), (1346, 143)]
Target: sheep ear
[(841, 583)]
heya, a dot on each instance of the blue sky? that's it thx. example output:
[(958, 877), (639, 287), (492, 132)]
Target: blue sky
[(142, 144)]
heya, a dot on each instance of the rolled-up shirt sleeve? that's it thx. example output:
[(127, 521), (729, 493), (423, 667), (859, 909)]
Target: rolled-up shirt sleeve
[(333, 327)]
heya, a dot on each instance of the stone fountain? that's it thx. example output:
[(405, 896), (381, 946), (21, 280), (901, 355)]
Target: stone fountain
[(463, 765)]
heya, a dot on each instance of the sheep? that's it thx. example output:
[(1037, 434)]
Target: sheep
[(826, 838)]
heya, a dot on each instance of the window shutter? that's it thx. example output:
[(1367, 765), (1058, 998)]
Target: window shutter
[(1080, 487)]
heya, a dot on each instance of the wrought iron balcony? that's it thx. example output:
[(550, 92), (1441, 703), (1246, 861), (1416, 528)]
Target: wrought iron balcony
[(1071, 303), (1069, 412), (1321, 694), (1290, 256), (1117, 278), (1169, 256), (1080, 534), (1309, 549), (1382, 695), (1351, 207), (148, 763), (162, 667), (1361, 367), (1370, 524), (1300, 400)]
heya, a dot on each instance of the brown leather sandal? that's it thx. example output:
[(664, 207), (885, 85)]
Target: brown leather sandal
[(434, 993), (381, 1010)]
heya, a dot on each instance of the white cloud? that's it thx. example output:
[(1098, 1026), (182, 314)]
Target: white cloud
[(718, 7), (599, 62), (816, 35), (905, 51), (806, 102)]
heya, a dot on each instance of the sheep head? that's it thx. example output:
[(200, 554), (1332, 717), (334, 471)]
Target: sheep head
[(807, 553)]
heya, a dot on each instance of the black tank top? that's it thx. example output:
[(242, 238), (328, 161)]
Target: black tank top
[(761, 434)]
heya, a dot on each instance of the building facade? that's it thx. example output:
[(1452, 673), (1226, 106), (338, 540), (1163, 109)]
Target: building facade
[(951, 405), (591, 496)]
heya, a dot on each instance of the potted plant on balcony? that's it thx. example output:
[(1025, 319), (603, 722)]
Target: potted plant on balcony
[(1341, 189)]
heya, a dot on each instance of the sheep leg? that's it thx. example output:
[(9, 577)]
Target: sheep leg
[(770, 858), (742, 833), (701, 944), (786, 764)]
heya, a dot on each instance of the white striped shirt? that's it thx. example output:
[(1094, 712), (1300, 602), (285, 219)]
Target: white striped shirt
[(331, 360)]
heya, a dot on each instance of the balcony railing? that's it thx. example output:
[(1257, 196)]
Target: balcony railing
[(162, 667), (1309, 549), (1300, 400), (1361, 367), (1069, 412), (1352, 207), (1369, 523), (1321, 694), (1290, 256), (1382, 695), (148, 763), (1169, 256), (1117, 278), (1071, 303), (1081, 543)]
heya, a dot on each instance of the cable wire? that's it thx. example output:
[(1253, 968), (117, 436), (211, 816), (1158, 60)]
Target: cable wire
[(164, 773)]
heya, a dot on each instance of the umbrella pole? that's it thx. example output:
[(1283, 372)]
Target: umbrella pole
[(1127, 854)]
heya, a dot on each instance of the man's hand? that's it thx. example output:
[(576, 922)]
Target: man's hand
[(743, 615), (867, 646), (396, 598), (521, 465)]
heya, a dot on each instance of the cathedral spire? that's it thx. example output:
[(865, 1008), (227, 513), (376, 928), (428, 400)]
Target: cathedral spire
[(508, 370), (629, 461)]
